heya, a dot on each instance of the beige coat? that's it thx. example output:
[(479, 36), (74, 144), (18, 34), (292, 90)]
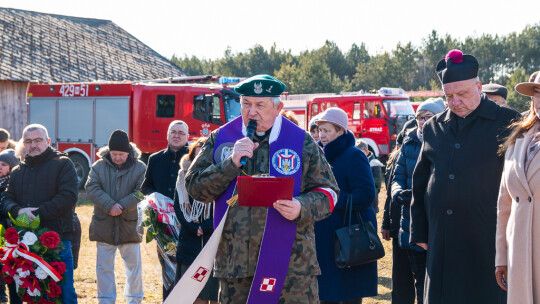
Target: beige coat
[(106, 186), (518, 224)]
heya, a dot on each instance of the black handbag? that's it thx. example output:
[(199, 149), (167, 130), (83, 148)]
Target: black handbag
[(356, 244)]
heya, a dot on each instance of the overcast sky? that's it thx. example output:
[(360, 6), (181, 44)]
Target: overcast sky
[(206, 28)]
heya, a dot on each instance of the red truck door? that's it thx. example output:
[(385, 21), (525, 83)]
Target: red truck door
[(374, 125)]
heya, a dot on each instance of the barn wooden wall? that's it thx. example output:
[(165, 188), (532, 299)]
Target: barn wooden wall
[(13, 111)]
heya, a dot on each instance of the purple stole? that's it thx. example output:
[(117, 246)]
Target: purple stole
[(279, 233)]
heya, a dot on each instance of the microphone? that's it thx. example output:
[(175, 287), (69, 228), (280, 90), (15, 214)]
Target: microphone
[(251, 127)]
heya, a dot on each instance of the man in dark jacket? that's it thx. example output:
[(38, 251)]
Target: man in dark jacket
[(455, 187), (45, 184), (162, 168), (161, 174)]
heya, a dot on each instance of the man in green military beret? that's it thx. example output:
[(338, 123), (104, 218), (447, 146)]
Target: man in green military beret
[(245, 265)]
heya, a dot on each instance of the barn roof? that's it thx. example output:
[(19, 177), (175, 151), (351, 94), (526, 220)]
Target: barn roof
[(46, 47)]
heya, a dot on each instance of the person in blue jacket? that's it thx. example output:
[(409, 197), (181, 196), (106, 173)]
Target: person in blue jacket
[(402, 193), (353, 174)]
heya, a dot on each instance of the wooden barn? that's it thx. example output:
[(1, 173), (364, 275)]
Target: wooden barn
[(53, 48)]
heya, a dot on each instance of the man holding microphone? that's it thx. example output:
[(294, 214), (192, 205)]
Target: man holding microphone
[(245, 265)]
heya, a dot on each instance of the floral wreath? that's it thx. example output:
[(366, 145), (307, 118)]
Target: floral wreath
[(30, 257)]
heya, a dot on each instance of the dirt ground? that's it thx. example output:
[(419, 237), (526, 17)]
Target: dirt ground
[(85, 275)]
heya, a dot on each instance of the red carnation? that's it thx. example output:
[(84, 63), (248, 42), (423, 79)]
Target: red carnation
[(455, 55), (50, 239), (54, 290), (12, 236), (60, 267), (44, 301), (27, 298)]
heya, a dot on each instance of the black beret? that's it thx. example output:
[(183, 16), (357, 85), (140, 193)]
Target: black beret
[(260, 85), (495, 89), (457, 67)]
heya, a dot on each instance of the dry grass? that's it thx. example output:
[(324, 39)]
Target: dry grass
[(85, 275)]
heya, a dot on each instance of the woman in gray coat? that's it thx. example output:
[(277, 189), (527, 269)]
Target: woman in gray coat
[(112, 183)]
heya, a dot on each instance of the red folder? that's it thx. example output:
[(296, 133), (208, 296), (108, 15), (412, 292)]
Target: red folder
[(263, 191)]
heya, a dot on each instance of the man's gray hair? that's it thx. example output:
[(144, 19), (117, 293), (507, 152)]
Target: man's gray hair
[(276, 100), (362, 145), (177, 122), (34, 127)]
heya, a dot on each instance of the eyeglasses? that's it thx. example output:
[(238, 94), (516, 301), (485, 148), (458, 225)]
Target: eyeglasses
[(35, 140), (173, 133), (424, 118)]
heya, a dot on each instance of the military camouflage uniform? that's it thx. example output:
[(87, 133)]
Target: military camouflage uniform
[(240, 243)]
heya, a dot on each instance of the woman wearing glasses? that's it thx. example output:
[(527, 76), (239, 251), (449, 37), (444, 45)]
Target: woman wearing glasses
[(402, 194)]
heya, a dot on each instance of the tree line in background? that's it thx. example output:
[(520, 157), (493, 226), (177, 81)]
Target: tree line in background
[(505, 60)]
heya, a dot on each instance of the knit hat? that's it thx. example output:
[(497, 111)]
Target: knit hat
[(434, 105), (8, 157), (119, 141), (334, 115)]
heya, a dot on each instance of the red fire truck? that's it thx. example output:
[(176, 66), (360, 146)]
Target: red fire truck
[(81, 116), (375, 117)]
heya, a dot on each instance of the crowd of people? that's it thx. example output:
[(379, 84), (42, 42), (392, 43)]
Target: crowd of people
[(460, 213)]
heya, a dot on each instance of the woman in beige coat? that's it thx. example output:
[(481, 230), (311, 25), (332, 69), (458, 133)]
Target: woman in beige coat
[(518, 218)]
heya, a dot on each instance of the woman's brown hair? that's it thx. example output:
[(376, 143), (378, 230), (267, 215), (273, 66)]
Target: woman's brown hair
[(193, 147), (518, 128)]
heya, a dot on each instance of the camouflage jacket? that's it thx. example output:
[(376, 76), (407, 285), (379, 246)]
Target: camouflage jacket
[(240, 243)]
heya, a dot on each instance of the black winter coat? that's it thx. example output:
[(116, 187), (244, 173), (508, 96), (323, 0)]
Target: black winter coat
[(189, 244), (162, 172), (406, 162), (454, 207), (403, 174), (49, 182)]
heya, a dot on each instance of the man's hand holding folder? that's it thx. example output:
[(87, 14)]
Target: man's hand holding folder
[(269, 192)]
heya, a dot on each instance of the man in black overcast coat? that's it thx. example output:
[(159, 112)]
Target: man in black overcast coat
[(162, 172), (455, 188)]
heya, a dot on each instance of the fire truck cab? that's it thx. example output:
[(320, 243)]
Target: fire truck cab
[(81, 116), (376, 118)]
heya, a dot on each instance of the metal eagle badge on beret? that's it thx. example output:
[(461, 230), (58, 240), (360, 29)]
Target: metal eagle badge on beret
[(260, 85), (286, 161)]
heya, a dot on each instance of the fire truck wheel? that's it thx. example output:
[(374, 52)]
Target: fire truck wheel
[(81, 167)]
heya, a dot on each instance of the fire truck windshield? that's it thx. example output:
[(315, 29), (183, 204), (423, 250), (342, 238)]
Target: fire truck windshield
[(231, 102), (398, 107)]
